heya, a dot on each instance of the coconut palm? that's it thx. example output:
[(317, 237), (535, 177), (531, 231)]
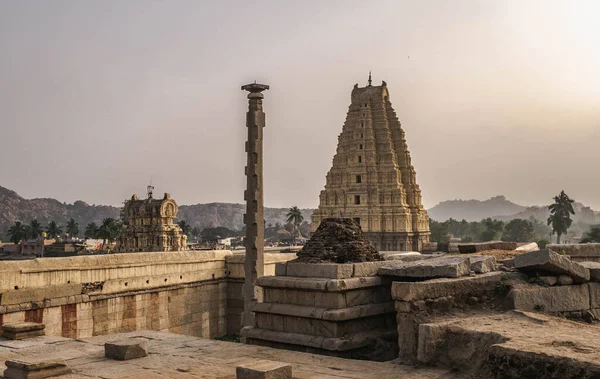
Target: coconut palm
[(295, 217), (17, 232), (560, 214), (35, 229), (91, 230), (72, 228), (53, 230), (109, 230)]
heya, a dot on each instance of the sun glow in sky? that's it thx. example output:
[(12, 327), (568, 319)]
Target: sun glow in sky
[(496, 97)]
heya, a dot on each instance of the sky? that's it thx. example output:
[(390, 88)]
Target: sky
[(99, 97)]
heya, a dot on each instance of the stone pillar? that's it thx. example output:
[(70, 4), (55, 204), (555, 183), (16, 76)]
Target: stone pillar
[(254, 217)]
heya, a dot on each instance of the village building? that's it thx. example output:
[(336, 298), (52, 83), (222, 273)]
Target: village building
[(372, 179)]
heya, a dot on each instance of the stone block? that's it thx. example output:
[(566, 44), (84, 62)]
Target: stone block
[(444, 267), (126, 349), (367, 268), (280, 269), (22, 330), (528, 247), (28, 295), (547, 261), (594, 295), (354, 283), (469, 248), (318, 284), (320, 270), (548, 280), (594, 268), (550, 299), (482, 264), (564, 280), (432, 289), (17, 369)]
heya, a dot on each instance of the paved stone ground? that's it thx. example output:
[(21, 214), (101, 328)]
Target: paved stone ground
[(180, 356)]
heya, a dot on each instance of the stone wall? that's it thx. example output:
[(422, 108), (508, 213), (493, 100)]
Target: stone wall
[(195, 293), (578, 252)]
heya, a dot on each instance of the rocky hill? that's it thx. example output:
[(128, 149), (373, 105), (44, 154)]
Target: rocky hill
[(474, 210), (16, 208)]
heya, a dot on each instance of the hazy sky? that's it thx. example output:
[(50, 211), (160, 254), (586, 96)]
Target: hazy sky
[(97, 97)]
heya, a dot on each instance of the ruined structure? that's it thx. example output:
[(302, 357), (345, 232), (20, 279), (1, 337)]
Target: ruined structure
[(372, 179), (149, 225)]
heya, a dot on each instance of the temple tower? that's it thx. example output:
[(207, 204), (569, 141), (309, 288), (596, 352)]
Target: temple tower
[(372, 179)]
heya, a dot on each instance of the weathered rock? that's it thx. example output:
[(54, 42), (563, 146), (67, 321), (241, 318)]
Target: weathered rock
[(550, 262), (594, 268), (471, 248), (444, 267), (16, 369), (550, 299), (126, 349), (578, 252), (432, 289), (528, 247), (22, 330), (320, 270), (548, 280), (338, 240), (482, 264), (264, 369), (564, 280)]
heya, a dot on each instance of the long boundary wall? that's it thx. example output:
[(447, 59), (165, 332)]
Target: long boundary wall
[(194, 292)]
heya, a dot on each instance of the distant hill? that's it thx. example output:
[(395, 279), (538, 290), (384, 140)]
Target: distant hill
[(16, 208), (583, 214), (474, 210)]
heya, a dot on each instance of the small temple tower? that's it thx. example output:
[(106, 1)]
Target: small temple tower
[(372, 179), (148, 225)]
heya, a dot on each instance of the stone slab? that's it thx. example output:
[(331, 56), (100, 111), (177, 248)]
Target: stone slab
[(337, 315), (16, 369), (469, 248), (443, 267), (263, 369), (482, 264), (594, 295), (550, 299), (432, 289), (578, 251), (528, 247), (20, 327), (366, 269), (28, 295), (318, 284), (126, 349), (547, 261), (320, 270), (594, 268)]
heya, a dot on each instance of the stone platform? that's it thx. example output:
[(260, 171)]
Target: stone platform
[(187, 357), (331, 309)]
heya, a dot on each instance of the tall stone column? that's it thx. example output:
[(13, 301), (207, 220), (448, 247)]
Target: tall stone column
[(254, 196)]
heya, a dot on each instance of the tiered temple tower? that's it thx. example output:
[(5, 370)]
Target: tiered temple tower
[(149, 225), (372, 179)]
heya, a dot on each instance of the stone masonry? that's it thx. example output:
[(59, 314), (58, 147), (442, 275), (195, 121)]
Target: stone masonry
[(254, 196), (372, 179)]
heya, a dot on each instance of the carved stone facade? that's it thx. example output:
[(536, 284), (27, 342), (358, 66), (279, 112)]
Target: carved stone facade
[(372, 179), (149, 226)]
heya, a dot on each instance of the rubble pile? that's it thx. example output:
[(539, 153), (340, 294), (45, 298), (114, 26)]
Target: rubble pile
[(338, 240)]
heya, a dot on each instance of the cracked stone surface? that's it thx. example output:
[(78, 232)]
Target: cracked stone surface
[(180, 356)]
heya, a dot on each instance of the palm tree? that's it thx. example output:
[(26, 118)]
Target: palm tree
[(35, 229), (17, 232), (109, 230), (72, 228), (560, 214), (91, 230), (53, 230), (186, 228), (295, 217)]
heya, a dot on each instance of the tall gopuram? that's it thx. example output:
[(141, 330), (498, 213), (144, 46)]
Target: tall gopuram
[(148, 225), (372, 179)]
